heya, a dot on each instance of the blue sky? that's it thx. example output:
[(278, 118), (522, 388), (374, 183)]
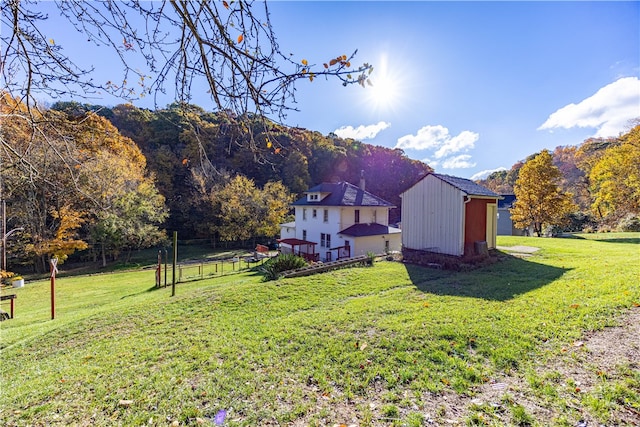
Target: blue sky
[(467, 87)]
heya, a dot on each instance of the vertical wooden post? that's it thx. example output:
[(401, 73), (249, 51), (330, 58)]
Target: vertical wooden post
[(54, 270), (159, 269), (166, 260), (175, 257)]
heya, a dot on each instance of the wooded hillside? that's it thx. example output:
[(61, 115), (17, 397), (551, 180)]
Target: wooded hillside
[(197, 163), (190, 151), (115, 179)]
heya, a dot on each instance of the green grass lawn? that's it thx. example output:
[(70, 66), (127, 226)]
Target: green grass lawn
[(384, 345)]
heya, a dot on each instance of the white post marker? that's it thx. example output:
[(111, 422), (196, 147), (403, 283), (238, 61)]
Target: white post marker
[(54, 270)]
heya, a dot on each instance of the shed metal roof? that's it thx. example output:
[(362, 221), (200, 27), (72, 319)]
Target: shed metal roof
[(466, 185)]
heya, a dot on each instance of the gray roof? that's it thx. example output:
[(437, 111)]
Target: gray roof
[(466, 185), (342, 194), (507, 201), (373, 229)]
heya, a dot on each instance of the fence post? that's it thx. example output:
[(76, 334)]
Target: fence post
[(175, 257), (166, 259), (54, 270), (159, 269)]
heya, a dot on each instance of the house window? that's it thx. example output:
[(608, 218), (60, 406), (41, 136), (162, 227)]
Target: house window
[(304, 234), (346, 243), (357, 216), (304, 214), (325, 240), (375, 217), (386, 246), (325, 215), (314, 213)]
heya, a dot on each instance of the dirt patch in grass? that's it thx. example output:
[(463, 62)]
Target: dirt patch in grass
[(519, 251), (589, 375), (578, 375)]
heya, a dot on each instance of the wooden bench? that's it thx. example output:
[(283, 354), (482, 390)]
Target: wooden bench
[(11, 298)]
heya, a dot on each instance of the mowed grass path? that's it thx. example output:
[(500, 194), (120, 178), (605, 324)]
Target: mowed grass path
[(365, 346)]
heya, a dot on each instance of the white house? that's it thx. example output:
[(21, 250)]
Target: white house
[(448, 215), (339, 220)]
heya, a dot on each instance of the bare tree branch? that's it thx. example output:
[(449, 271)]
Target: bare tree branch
[(231, 49)]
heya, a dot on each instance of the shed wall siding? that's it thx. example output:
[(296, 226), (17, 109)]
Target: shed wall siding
[(433, 217)]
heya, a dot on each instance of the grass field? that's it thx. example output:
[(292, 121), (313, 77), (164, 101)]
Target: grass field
[(391, 344)]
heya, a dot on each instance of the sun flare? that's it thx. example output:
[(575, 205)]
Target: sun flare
[(383, 92)]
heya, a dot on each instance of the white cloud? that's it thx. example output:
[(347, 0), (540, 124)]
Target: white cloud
[(362, 132), (485, 173), (463, 142), (458, 162), (438, 138), (608, 110), (426, 138), (433, 163)]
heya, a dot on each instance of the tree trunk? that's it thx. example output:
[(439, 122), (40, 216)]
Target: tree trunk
[(537, 227), (104, 255)]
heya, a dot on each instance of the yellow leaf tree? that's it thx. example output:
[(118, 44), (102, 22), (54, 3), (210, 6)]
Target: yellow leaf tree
[(71, 181), (247, 212), (615, 179), (64, 241), (539, 200)]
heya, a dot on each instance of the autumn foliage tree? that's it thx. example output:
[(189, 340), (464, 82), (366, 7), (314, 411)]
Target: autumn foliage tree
[(614, 178), (539, 200), (74, 181), (63, 241), (246, 211)]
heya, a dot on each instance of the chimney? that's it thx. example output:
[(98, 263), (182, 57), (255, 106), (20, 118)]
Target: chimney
[(362, 182)]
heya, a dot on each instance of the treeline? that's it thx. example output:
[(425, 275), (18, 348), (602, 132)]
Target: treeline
[(190, 151), (105, 181), (100, 182), (603, 176)]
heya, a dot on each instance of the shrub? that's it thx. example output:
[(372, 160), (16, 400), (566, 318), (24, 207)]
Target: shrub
[(283, 262), (578, 221), (630, 222), (371, 258)]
